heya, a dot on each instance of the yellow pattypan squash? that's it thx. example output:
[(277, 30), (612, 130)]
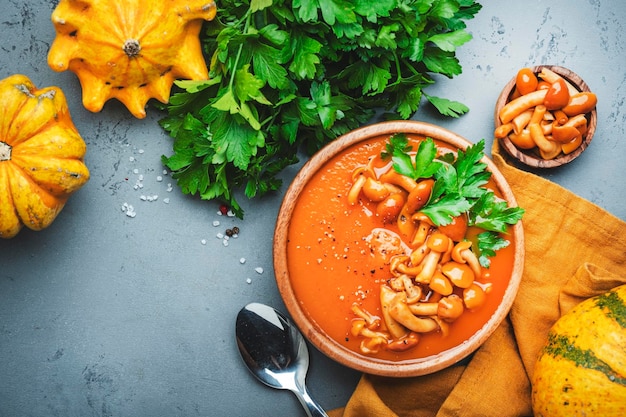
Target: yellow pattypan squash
[(131, 50), (41, 155)]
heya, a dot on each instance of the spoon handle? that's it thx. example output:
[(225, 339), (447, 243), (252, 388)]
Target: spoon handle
[(312, 408)]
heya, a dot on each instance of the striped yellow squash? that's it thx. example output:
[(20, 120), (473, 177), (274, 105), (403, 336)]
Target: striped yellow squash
[(582, 369)]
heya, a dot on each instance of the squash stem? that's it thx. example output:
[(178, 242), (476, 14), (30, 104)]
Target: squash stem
[(5, 151)]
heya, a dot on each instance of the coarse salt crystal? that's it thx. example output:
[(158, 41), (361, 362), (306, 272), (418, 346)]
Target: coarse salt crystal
[(219, 236), (249, 281), (166, 200), (258, 270), (225, 242), (129, 210), (242, 260), (203, 241), (159, 178), (141, 151), (135, 171), (131, 159), (216, 223)]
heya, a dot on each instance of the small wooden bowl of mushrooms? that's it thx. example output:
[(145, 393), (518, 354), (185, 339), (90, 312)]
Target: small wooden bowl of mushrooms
[(545, 116)]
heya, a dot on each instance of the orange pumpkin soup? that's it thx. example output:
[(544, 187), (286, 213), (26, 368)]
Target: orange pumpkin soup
[(334, 264)]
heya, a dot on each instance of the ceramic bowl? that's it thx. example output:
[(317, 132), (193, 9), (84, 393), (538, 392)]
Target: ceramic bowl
[(313, 330), (531, 157)]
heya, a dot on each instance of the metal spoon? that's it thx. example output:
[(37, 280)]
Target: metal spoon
[(275, 352)]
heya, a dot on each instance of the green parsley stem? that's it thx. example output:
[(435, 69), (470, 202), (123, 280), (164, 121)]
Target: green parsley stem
[(246, 30)]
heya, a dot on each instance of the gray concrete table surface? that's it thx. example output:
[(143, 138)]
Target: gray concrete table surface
[(102, 314)]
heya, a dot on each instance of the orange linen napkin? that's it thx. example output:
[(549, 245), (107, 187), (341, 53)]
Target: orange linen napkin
[(574, 250)]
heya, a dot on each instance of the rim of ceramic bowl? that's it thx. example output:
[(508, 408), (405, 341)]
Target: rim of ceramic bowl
[(316, 335), (528, 158)]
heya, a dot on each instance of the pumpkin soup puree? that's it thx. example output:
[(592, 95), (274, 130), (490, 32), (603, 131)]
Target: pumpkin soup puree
[(332, 264)]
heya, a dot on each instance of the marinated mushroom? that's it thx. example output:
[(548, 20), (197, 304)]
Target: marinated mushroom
[(413, 292), (372, 345), (440, 284), (429, 266), (474, 296), (355, 190), (387, 296), (456, 229), (419, 195), (393, 177), (371, 320), (372, 341), (401, 312), (405, 343), (375, 190), (462, 253), (410, 270), (406, 225), (450, 308), (564, 134), (389, 208), (459, 274), (418, 254), (395, 262), (424, 309), (438, 242), (421, 233)]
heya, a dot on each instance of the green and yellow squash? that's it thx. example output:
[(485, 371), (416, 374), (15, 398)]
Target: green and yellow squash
[(581, 371)]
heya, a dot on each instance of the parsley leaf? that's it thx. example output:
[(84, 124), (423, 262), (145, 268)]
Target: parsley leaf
[(444, 209), (423, 164), (447, 107), (441, 62), (492, 214), (487, 245), (448, 41)]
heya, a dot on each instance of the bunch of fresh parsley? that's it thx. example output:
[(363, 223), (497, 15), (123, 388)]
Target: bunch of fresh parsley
[(293, 75), (460, 188)]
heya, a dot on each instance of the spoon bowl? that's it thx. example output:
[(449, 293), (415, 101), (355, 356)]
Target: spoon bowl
[(275, 352)]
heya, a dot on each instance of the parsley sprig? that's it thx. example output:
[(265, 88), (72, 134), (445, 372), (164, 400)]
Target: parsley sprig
[(293, 75), (459, 188)]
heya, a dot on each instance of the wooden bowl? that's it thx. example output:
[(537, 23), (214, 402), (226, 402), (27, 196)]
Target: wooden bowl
[(531, 157), (311, 328)]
